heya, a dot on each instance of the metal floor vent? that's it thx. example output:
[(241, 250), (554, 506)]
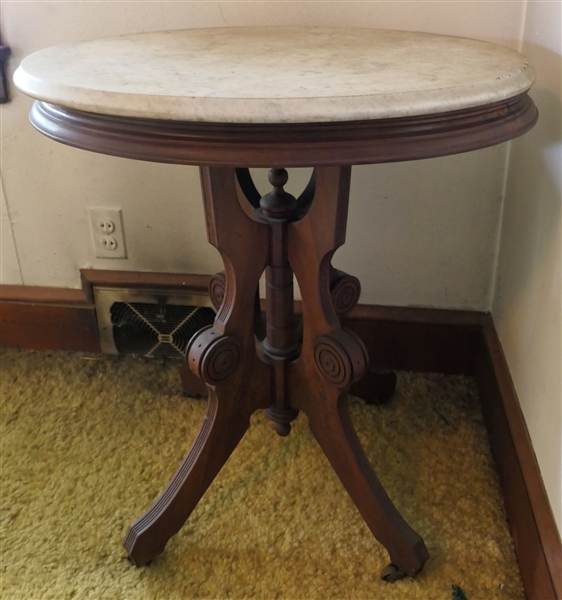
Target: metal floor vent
[(149, 323)]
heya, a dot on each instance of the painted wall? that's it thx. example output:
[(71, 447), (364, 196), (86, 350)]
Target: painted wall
[(9, 265), (527, 303), (420, 233)]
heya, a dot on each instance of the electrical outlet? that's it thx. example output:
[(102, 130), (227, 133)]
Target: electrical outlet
[(108, 235)]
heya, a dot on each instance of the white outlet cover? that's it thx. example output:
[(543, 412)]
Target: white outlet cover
[(115, 215)]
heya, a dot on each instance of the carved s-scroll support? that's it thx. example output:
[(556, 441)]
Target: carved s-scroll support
[(244, 247), (378, 384), (192, 384), (217, 288), (312, 242)]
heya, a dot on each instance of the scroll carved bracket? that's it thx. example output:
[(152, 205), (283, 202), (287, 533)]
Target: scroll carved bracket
[(345, 291), (341, 358), (217, 289)]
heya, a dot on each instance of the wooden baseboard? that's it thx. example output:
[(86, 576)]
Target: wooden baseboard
[(47, 319), (419, 339), (416, 339), (532, 524)]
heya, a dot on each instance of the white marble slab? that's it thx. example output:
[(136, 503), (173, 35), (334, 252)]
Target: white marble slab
[(274, 74)]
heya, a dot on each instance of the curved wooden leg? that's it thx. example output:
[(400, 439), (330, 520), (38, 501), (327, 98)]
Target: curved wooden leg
[(223, 427), (331, 425), (224, 357), (332, 359)]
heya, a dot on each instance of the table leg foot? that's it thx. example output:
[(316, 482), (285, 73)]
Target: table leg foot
[(222, 428), (331, 425), (391, 573)]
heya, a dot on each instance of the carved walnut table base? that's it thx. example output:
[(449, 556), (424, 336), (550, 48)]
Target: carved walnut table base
[(223, 99), (282, 235)]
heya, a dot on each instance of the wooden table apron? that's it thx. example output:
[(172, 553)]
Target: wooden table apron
[(244, 368)]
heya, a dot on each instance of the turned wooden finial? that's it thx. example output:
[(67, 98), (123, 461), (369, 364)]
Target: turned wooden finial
[(278, 203), (278, 177)]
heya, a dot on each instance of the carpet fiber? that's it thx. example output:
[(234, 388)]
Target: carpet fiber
[(88, 442)]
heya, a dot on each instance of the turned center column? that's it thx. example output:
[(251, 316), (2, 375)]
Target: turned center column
[(280, 345)]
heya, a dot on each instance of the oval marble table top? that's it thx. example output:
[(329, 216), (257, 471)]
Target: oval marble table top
[(274, 74)]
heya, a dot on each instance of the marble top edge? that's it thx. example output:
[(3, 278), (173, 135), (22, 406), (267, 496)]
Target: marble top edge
[(292, 112), (324, 74)]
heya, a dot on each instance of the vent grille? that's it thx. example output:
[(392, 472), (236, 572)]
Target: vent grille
[(152, 323), (156, 329)]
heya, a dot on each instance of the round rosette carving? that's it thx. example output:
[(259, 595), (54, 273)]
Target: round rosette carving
[(345, 292), (212, 356), (217, 289), (341, 357)]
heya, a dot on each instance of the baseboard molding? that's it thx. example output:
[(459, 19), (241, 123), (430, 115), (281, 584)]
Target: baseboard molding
[(533, 528), (47, 319), (417, 339)]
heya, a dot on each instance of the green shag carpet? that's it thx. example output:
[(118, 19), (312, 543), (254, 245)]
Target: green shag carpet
[(89, 442)]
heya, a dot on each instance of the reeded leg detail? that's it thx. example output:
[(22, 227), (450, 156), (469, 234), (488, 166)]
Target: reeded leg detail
[(220, 432)]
